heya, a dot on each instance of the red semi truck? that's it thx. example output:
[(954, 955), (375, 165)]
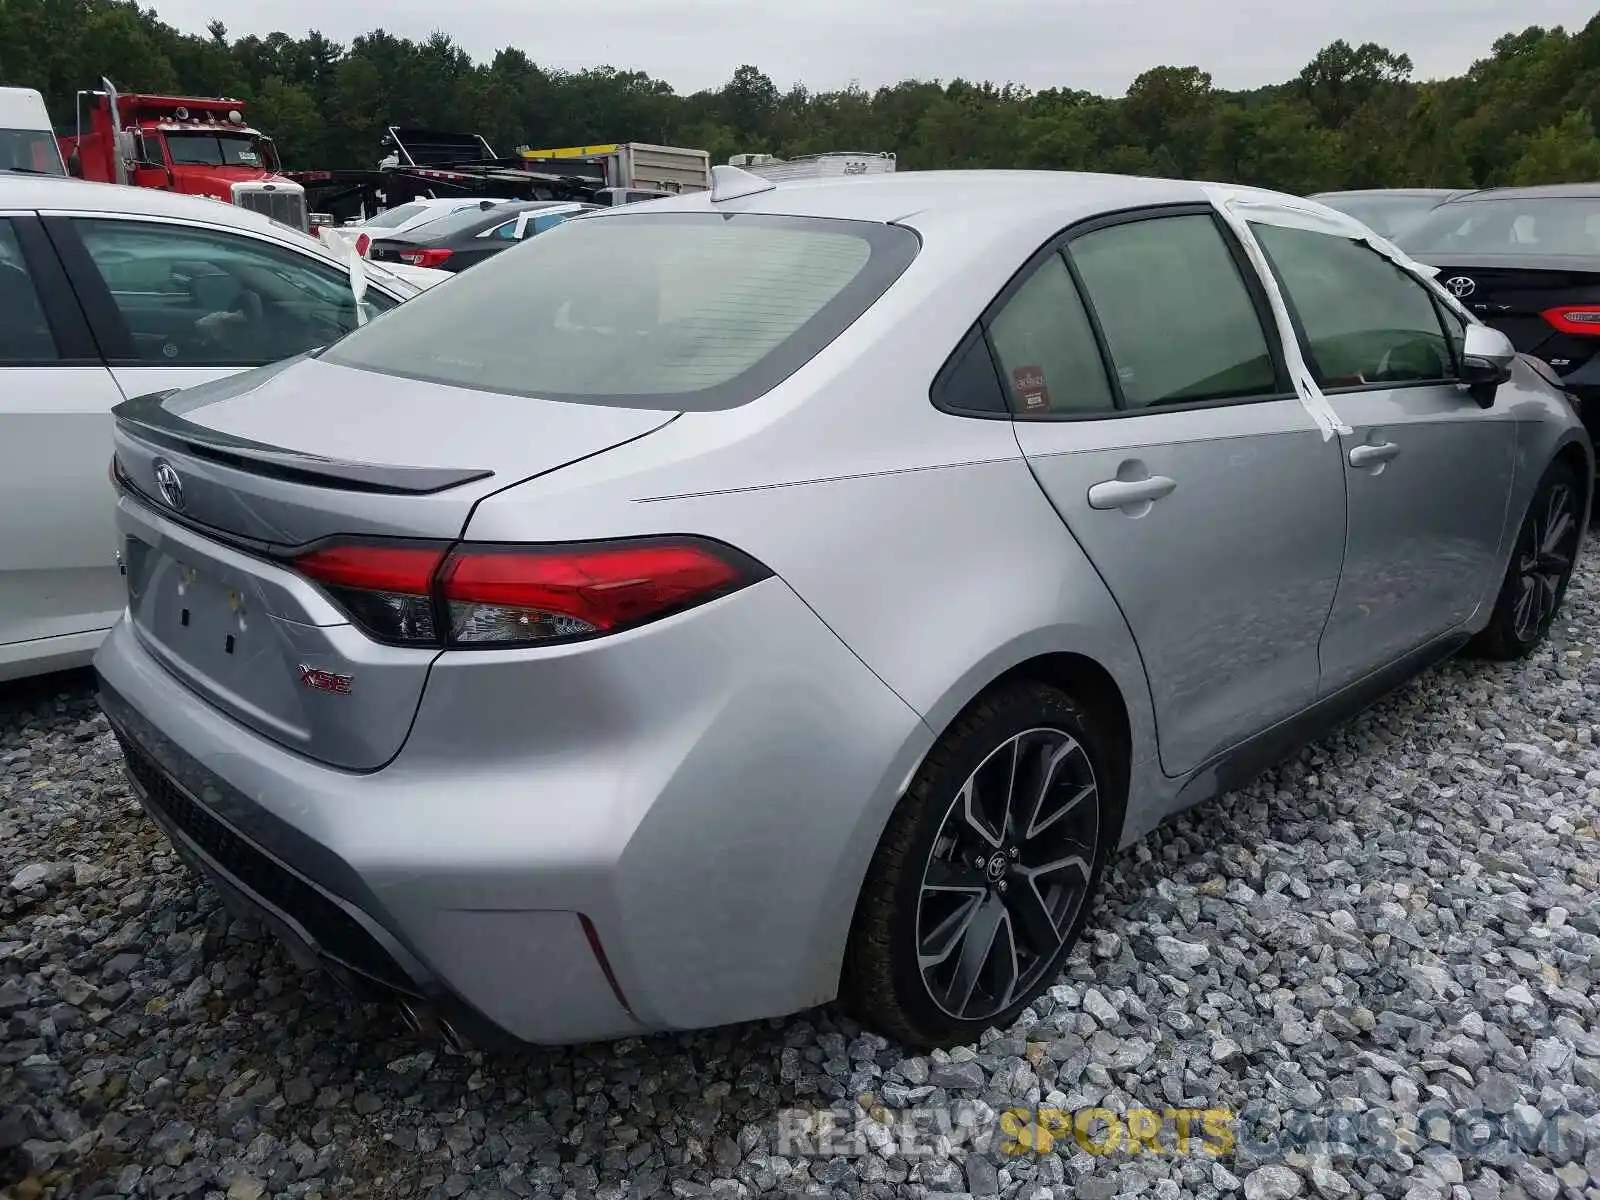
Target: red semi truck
[(200, 146)]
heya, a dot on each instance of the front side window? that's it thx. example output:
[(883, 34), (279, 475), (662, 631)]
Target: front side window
[(24, 333), (1179, 323), (1046, 349), (199, 296), (695, 311), (1365, 320)]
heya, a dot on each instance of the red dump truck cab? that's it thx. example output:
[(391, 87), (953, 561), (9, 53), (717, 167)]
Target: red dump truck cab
[(200, 146)]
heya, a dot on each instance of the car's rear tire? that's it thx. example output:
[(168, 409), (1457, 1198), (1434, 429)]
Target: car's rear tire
[(1542, 560), (1002, 835)]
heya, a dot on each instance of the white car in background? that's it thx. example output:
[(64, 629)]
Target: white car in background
[(403, 218), (110, 292)]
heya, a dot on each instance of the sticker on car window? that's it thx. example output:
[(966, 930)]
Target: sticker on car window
[(1028, 383)]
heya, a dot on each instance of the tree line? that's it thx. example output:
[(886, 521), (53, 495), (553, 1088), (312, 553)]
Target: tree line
[(1353, 117)]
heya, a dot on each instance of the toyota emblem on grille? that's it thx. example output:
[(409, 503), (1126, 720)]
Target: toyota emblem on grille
[(168, 484), (1460, 286)]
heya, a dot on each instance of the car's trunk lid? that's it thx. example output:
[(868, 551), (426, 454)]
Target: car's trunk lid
[(260, 466), (1511, 293)]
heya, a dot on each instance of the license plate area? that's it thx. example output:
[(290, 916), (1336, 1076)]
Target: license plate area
[(200, 618)]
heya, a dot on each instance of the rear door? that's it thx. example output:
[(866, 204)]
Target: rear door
[(1190, 474), (176, 304), (58, 573), (1428, 471)]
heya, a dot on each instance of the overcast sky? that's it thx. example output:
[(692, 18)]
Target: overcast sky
[(1098, 45)]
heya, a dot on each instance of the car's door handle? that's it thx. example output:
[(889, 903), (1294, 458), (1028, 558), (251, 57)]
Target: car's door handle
[(1372, 456), (1123, 493)]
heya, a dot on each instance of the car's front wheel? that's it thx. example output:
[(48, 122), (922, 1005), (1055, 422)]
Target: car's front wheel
[(1541, 565), (985, 872)]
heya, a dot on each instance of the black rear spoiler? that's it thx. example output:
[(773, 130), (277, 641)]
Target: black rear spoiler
[(148, 419)]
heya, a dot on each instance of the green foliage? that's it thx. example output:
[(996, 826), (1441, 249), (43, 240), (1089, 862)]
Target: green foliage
[(1353, 117)]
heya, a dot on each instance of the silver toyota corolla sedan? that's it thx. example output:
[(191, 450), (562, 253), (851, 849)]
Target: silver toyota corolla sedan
[(711, 609)]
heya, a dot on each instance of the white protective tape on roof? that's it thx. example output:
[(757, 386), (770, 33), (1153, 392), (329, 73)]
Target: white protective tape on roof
[(1271, 208), (1233, 204)]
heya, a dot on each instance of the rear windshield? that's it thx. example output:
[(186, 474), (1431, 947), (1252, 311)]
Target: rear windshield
[(389, 218), (694, 311), (1389, 216), (1541, 227)]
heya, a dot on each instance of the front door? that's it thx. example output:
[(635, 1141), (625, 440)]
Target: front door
[(1428, 472), (1193, 478)]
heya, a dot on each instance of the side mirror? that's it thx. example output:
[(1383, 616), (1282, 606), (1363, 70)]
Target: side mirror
[(1486, 358), (75, 166)]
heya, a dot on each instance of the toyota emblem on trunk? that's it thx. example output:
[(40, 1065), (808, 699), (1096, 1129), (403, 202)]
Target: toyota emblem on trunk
[(1460, 286), (168, 484)]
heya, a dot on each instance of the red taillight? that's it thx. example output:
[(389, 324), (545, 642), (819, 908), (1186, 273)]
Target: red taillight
[(494, 595), (386, 589), (363, 244), (1580, 319), (424, 258)]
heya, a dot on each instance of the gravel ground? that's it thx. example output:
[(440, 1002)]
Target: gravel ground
[(1387, 949)]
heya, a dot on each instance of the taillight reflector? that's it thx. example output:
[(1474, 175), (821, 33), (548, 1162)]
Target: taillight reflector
[(488, 595), (423, 258), (1580, 319), (373, 568)]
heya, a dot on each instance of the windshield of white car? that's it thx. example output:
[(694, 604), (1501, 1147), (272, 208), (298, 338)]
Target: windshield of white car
[(1534, 226), (686, 311), (30, 151)]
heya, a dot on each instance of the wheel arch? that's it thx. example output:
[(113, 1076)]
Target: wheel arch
[(1085, 677)]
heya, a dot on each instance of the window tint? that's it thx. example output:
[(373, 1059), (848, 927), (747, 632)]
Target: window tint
[(1365, 320), (200, 296), (1046, 347), (968, 383), (507, 230), (673, 310), (1177, 317), (24, 333)]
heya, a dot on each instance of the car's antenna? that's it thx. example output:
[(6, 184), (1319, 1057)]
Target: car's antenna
[(729, 183)]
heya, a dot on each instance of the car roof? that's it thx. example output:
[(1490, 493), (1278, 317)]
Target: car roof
[(1549, 191), (1022, 201)]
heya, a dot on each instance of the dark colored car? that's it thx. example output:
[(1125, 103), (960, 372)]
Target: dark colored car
[(1388, 211), (1527, 261), (456, 242)]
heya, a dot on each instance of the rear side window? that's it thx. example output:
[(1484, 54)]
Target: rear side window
[(1178, 321), (24, 333), (1046, 347), (696, 311), (1365, 320)]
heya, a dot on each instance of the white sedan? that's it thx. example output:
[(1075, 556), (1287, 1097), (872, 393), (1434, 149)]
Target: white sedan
[(111, 292)]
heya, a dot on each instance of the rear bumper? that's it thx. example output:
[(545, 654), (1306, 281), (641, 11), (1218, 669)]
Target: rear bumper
[(703, 796), (324, 929)]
